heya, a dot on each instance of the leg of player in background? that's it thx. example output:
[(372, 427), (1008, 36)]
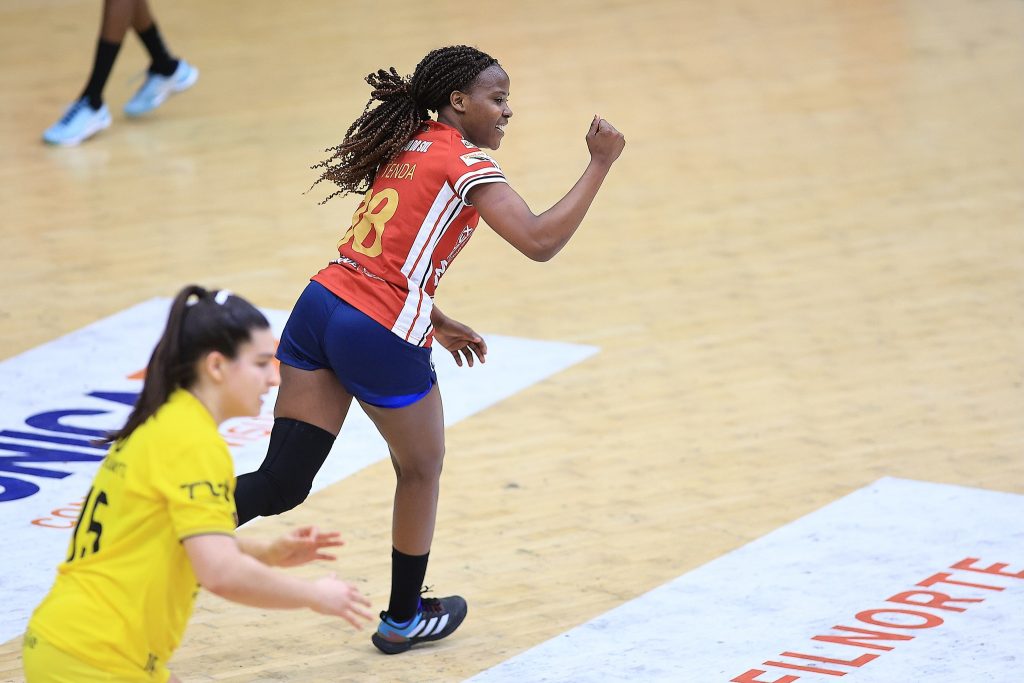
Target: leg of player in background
[(88, 115)]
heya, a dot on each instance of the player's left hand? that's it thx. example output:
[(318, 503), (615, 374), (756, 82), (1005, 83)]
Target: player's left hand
[(460, 339), (302, 545)]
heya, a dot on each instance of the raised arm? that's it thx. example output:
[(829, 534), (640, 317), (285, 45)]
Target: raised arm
[(542, 236), (224, 570)]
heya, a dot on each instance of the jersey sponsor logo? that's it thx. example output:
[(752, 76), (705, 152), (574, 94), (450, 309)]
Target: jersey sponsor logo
[(417, 146), (208, 489), (468, 144), (115, 467), (440, 270), (464, 236), (356, 266), (346, 261), (476, 157)]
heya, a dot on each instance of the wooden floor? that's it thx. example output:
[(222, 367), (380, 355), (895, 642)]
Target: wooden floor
[(805, 273)]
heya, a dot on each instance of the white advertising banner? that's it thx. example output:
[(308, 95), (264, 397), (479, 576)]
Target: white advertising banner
[(898, 582)]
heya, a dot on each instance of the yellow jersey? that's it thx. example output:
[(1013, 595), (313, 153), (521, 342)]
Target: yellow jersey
[(126, 590)]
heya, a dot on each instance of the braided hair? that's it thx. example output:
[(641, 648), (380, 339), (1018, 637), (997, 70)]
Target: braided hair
[(379, 134)]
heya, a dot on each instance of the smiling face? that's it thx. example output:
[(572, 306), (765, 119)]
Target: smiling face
[(481, 111)]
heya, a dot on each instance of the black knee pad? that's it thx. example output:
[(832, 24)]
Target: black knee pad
[(296, 453)]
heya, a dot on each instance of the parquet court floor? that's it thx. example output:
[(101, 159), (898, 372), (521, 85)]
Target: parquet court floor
[(806, 273)]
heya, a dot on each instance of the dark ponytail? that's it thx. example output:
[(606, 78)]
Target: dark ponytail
[(200, 321), (402, 104)]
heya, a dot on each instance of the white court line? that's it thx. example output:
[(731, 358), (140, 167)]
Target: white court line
[(839, 566), (73, 382)]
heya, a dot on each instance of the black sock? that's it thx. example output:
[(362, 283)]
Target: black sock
[(161, 61), (407, 572), (296, 453), (106, 53)]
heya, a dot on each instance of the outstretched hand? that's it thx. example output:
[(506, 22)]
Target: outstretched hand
[(339, 598), (604, 141), (460, 339), (300, 546)]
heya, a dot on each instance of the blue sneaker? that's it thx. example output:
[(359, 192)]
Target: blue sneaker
[(435, 619), (78, 123), (158, 88)]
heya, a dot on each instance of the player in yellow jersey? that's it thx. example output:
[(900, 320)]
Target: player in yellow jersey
[(159, 520)]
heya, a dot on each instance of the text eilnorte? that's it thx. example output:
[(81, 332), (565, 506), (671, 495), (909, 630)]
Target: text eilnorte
[(970, 591)]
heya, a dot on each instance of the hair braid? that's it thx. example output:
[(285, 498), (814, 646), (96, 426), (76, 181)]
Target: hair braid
[(403, 104)]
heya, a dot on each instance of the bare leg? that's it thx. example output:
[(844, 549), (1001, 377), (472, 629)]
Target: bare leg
[(143, 18), (415, 435), (118, 15), (313, 396)]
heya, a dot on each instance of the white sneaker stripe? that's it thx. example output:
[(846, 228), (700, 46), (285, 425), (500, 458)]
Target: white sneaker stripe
[(430, 629), (424, 625), (440, 626)]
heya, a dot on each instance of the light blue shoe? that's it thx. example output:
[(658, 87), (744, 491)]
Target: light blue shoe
[(158, 88), (78, 123)]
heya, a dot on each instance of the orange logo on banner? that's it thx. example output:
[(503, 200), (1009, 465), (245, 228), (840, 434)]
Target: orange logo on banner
[(66, 516), (876, 617)]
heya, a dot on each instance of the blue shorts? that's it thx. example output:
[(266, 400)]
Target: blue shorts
[(372, 363)]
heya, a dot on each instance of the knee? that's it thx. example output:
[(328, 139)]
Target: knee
[(297, 451), (421, 468), (285, 494), (260, 493)]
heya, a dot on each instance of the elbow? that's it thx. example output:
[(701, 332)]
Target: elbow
[(537, 239), (216, 585), (219, 584), (217, 563), (229, 587), (221, 579), (541, 252), (545, 255)]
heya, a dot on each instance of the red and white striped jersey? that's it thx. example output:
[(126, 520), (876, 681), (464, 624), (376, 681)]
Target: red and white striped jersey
[(408, 229)]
